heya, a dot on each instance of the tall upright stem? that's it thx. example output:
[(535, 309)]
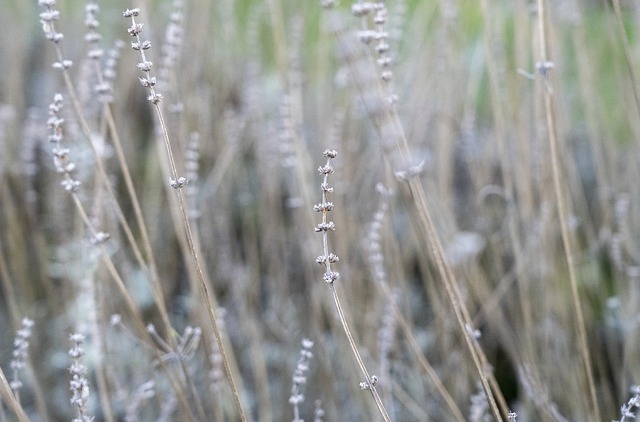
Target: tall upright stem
[(544, 67)]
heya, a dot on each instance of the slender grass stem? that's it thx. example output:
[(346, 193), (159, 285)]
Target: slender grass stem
[(178, 182), (563, 212), (331, 276), (370, 384), (86, 130), (627, 54), (396, 150), (10, 399), (453, 293)]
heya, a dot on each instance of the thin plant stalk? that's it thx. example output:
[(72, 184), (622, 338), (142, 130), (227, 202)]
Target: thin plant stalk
[(157, 290), (135, 202), (7, 287), (506, 163), (64, 65), (10, 399), (331, 276), (379, 273), (354, 347), (97, 324), (178, 182), (155, 285), (419, 354), (138, 320), (204, 291), (396, 151), (460, 310), (64, 165), (544, 68), (587, 79), (627, 54)]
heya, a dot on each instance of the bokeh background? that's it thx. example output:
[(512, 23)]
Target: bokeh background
[(254, 92)]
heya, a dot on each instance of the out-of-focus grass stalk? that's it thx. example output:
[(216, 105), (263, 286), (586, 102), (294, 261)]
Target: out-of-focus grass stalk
[(10, 400), (544, 68)]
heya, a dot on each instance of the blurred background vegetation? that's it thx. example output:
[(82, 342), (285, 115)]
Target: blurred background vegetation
[(266, 86)]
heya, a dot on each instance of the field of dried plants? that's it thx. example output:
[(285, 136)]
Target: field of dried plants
[(247, 210)]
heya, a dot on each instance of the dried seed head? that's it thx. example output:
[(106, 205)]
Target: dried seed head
[(326, 169), (62, 65), (135, 29), (131, 13), (324, 206), (324, 227), (154, 98), (144, 45), (148, 82), (330, 153), (330, 276), (179, 183), (145, 66), (326, 188), (362, 9)]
